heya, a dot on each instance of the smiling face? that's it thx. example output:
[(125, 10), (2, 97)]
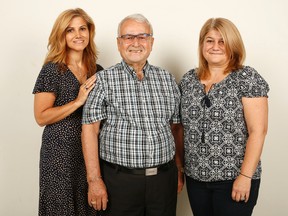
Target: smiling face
[(214, 50), (77, 35), (135, 52)]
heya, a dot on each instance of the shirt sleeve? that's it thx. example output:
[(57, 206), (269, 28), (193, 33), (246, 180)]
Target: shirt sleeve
[(252, 84), (47, 80), (176, 116), (99, 68), (95, 109)]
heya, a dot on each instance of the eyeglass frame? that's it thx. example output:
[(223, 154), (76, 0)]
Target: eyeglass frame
[(138, 36)]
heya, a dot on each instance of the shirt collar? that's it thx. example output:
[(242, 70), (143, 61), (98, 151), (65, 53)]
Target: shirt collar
[(131, 71)]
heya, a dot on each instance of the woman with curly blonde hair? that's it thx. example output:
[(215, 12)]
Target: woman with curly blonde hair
[(61, 89)]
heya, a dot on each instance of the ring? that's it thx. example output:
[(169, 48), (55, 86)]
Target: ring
[(242, 199), (93, 202)]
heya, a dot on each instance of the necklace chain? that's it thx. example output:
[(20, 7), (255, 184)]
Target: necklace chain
[(77, 70)]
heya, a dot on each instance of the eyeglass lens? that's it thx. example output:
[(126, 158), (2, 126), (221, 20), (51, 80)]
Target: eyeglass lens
[(140, 37)]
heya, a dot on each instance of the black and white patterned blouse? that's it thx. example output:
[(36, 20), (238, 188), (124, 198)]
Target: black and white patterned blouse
[(136, 131), (214, 125)]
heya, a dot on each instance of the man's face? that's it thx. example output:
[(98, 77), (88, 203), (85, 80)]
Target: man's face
[(135, 50)]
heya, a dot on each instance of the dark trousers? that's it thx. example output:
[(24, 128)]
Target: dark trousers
[(140, 195), (214, 198)]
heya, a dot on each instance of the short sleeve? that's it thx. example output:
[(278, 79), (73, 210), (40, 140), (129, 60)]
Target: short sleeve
[(99, 68), (47, 80), (251, 83), (94, 108), (176, 116)]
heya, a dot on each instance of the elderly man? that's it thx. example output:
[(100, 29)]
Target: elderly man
[(130, 122)]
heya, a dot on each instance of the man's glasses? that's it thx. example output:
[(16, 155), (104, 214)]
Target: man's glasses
[(129, 38)]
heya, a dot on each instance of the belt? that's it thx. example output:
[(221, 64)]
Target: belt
[(142, 171)]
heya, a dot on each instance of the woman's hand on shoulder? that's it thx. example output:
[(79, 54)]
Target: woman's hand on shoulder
[(85, 89)]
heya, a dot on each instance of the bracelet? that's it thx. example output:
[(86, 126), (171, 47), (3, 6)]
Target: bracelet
[(245, 175)]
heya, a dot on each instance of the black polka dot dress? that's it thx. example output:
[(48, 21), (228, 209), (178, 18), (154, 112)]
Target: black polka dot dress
[(63, 186)]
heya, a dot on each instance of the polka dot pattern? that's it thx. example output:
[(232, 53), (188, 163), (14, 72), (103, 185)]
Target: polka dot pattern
[(63, 186)]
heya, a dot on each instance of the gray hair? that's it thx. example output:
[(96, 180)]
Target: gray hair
[(138, 18)]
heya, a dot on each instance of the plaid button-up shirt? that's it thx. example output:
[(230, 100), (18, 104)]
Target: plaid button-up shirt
[(136, 115)]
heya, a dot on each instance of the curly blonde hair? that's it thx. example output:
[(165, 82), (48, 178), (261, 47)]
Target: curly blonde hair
[(57, 45)]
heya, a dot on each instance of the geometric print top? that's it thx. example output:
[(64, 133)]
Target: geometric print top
[(215, 132), (135, 115)]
